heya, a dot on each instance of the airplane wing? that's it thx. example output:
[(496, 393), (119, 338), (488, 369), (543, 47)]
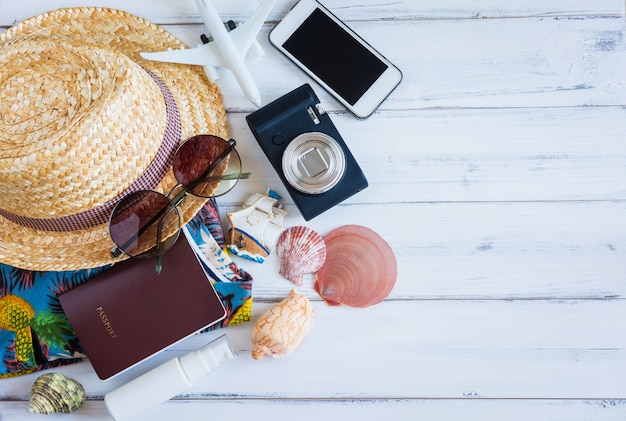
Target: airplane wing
[(203, 55), (210, 54), (245, 34)]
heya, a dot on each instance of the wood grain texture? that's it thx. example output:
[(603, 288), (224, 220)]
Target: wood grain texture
[(524, 349), (177, 12), (511, 154), (368, 410), (470, 63), (497, 173)]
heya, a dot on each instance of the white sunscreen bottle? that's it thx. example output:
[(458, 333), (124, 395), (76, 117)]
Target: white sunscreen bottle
[(167, 380)]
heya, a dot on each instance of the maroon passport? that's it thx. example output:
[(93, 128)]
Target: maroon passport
[(128, 313)]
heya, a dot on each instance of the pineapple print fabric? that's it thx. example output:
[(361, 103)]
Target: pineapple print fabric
[(35, 334)]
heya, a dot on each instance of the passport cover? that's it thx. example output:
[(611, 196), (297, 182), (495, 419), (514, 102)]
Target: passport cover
[(129, 312)]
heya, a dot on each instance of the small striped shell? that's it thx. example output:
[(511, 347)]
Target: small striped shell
[(53, 393), (282, 329), (301, 251)]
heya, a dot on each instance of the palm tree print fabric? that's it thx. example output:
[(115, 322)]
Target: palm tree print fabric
[(35, 334)]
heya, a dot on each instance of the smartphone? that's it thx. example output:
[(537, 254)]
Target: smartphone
[(337, 58)]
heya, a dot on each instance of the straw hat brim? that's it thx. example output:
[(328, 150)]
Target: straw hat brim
[(201, 111)]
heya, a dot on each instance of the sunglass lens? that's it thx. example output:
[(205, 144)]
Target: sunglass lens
[(144, 224), (207, 165)]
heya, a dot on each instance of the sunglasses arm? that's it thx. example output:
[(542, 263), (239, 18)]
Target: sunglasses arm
[(159, 241)]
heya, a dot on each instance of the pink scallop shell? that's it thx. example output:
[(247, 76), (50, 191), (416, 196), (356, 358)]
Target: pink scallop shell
[(360, 269), (301, 250)]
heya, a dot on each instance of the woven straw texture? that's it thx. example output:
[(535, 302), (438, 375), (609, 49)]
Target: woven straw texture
[(81, 118)]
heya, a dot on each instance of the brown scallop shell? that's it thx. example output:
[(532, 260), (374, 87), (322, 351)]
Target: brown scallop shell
[(360, 268)]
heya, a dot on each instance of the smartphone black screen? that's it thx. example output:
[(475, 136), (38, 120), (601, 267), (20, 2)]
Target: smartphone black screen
[(334, 56)]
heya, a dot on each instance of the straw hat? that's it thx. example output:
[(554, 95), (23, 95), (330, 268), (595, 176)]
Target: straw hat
[(84, 120)]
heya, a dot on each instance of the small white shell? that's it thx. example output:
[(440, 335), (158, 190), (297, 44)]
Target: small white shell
[(283, 327), (301, 250), (54, 392)]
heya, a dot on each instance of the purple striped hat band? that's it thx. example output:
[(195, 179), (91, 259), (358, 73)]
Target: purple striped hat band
[(154, 173)]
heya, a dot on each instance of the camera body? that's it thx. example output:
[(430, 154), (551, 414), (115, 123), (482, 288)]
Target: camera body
[(306, 150)]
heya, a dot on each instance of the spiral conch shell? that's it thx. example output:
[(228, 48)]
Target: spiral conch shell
[(283, 327), (54, 392), (301, 251)]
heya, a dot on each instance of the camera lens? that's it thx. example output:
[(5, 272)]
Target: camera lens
[(313, 163)]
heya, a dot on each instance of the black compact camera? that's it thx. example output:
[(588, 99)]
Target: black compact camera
[(307, 151)]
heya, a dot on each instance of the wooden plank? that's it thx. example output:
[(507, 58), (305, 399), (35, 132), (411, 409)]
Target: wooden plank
[(483, 250), (534, 154), (313, 410), (164, 11), (427, 349), (533, 62)]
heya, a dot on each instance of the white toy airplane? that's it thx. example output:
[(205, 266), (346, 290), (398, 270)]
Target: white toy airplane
[(227, 48)]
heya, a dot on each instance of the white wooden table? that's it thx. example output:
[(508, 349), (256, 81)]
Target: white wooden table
[(497, 172)]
